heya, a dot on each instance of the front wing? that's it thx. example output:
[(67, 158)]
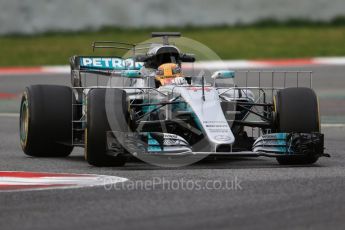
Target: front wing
[(165, 144)]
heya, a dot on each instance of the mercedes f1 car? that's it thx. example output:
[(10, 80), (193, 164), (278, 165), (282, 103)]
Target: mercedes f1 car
[(131, 116)]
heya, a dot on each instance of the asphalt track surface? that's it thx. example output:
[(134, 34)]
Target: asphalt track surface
[(267, 196)]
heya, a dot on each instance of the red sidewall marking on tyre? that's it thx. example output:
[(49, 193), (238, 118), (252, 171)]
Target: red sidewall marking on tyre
[(29, 181)]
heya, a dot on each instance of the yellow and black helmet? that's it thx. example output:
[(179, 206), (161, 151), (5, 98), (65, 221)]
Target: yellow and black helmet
[(167, 72)]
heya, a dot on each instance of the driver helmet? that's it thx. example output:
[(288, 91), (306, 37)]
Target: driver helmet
[(167, 72)]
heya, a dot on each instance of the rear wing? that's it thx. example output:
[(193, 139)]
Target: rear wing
[(110, 63), (102, 65)]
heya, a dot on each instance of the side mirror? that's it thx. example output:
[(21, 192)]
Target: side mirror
[(131, 74), (223, 74)]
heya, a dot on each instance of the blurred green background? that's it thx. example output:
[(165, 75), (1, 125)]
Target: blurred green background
[(264, 40)]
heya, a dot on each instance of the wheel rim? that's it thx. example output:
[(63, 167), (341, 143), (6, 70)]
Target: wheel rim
[(24, 123)]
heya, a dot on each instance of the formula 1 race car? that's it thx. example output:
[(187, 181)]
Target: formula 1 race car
[(130, 115)]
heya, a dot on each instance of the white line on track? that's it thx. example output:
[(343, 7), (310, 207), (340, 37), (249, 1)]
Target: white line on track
[(332, 125), (9, 114), (25, 181)]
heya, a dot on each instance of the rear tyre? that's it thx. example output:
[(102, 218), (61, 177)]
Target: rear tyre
[(297, 111), (45, 123), (98, 125)]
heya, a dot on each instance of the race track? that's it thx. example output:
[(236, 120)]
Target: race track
[(265, 195)]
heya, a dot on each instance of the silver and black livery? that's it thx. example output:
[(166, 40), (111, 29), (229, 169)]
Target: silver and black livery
[(115, 111)]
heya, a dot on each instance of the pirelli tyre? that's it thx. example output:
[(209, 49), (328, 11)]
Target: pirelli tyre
[(98, 126), (297, 111), (45, 123)]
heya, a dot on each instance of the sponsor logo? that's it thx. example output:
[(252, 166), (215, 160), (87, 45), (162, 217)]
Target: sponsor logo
[(222, 138), (216, 126), (218, 130), (109, 63)]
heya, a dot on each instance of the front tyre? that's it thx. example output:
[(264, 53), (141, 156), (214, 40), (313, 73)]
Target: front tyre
[(45, 123), (98, 126), (297, 111)]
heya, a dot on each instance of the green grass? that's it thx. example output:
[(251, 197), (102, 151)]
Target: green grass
[(243, 42)]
